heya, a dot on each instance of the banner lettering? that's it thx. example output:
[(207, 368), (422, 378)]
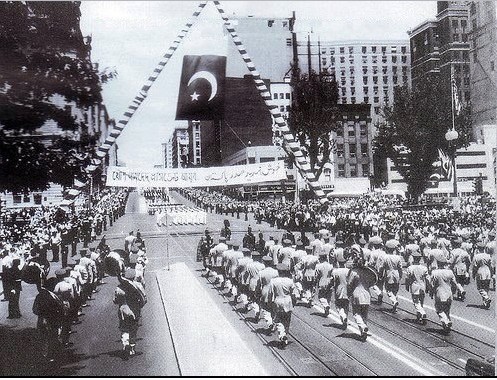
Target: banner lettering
[(196, 177)]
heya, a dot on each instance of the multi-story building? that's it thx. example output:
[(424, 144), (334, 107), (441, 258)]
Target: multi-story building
[(353, 156), (281, 93), (180, 147), (167, 152), (482, 56), (269, 43), (441, 47), (366, 71)]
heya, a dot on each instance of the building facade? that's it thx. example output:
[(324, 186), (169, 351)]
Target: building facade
[(269, 43), (482, 56), (441, 47), (366, 71), (180, 147)]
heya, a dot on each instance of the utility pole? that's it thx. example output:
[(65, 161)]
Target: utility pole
[(309, 53), (319, 55)]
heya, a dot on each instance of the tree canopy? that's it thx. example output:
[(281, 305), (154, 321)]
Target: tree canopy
[(414, 129), (313, 116), (43, 56)]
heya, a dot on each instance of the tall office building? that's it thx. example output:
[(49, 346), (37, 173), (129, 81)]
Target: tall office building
[(441, 47), (366, 71), (482, 56)]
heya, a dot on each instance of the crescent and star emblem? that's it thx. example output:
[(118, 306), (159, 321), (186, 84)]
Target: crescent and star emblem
[(209, 78)]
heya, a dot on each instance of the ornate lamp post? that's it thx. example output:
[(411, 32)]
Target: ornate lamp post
[(451, 136)]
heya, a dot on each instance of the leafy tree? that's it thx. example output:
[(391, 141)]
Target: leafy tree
[(314, 115), (44, 65), (414, 129)]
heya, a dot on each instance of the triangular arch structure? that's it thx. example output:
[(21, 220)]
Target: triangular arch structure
[(291, 145)]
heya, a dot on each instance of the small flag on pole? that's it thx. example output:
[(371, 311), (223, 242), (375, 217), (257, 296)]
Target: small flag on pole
[(446, 165), (455, 95)]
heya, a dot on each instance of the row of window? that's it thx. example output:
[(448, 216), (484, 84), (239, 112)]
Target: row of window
[(374, 59), (364, 49), (353, 170), (363, 131), (282, 95), (353, 150)]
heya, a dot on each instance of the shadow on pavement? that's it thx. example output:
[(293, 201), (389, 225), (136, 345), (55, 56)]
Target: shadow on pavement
[(477, 306), (351, 336), (21, 355)]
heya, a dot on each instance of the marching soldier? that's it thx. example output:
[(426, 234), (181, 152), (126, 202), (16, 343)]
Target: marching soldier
[(442, 282), (241, 278), (357, 290), (253, 273), (265, 276), (309, 263), (324, 280), (376, 262), (482, 273), (460, 263), (416, 278), (340, 276), (281, 289), (392, 271)]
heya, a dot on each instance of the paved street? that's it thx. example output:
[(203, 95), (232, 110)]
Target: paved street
[(190, 328)]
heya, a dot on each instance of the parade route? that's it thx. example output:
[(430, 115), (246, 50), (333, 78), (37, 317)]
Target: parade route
[(189, 327)]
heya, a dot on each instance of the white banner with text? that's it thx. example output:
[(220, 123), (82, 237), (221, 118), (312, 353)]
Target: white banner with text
[(122, 176)]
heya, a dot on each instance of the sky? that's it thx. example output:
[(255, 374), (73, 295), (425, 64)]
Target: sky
[(132, 36)]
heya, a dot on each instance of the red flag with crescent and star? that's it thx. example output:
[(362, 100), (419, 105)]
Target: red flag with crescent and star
[(201, 88)]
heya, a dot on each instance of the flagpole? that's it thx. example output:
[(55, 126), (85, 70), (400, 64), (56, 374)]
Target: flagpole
[(452, 140)]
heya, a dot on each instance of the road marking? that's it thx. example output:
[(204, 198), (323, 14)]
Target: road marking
[(453, 316), (408, 359)]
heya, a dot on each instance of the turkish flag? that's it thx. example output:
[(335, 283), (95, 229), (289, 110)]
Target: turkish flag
[(201, 89)]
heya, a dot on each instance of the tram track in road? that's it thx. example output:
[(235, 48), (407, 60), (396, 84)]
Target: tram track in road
[(321, 359), (304, 344), (448, 338)]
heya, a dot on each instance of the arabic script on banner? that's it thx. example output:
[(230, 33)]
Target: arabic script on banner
[(196, 177)]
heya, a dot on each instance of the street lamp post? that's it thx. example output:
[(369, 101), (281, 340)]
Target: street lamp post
[(451, 136)]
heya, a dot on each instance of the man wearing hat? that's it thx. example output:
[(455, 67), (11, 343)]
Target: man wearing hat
[(324, 280), (216, 259), (129, 311), (316, 243), (83, 272), (241, 278), (309, 263), (392, 269), (206, 243), (231, 265), (265, 277), (460, 263), (281, 289), (411, 249), (253, 278), (376, 261), (482, 272), (442, 281), (340, 275), (65, 291), (286, 253), (416, 278), (249, 239), (224, 261), (274, 251)]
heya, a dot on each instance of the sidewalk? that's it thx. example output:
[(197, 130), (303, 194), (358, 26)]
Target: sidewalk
[(205, 341)]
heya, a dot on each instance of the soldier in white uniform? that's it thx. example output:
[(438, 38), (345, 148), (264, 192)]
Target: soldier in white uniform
[(281, 289), (392, 271), (265, 276), (416, 278), (460, 263), (324, 280), (482, 272), (340, 275), (442, 281)]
